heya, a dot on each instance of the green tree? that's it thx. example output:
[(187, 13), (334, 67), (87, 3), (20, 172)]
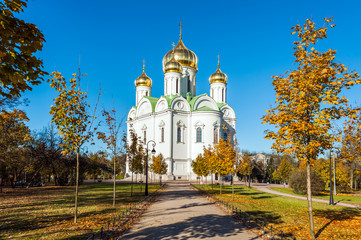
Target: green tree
[(308, 99), (70, 115), (20, 41), (159, 166)]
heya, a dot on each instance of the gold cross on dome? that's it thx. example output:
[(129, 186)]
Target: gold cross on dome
[(143, 65), (218, 60), (180, 29)]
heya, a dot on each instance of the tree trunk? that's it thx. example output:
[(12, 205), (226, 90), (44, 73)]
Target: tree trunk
[(212, 181), (334, 176), (220, 185), (351, 182), (114, 181), (131, 187), (76, 187), (309, 200), (141, 182), (206, 184), (232, 188)]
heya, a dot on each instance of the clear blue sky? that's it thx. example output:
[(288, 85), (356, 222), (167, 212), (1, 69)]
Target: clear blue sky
[(252, 38)]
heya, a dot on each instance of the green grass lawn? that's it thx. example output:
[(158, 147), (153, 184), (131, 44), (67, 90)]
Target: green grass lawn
[(47, 212), (291, 216), (341, 197)]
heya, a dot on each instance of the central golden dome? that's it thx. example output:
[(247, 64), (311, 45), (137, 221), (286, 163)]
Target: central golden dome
[(182, 55)]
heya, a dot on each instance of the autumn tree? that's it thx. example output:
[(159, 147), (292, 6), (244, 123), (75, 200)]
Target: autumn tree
[(211, 160), (351, 145), (159, 166), (70, 115), (13, 135), (308, 99), (245, 166), (225, 159), (135, 154), (200, 166), (112, 138), (20, 68), (284, 170)]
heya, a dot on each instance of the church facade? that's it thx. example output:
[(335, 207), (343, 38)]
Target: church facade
[(181, 122)]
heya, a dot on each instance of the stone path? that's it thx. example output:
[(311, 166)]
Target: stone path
[(182, 213), (268, 190)]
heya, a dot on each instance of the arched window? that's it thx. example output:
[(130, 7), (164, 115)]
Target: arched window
[(215, 135), (225, 136), (177, 82), (223, 95), (162, 135), (189, 84), (199, 134), (179, 134), (145, 137)]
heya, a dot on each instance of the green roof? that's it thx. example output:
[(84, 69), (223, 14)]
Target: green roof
[(153, 101), (221, 104), (194, 99), (170, 98)]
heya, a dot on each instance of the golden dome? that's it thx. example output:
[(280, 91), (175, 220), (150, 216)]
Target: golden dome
[(181, 54), (143, 80), (218, 76), (173, 66)]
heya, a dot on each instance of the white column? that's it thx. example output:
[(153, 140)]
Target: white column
[(218, 92), (142, 91)]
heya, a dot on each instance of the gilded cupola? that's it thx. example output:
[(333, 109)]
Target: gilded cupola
[(181, 54), (143, 79), (218, 76), (173, 65)]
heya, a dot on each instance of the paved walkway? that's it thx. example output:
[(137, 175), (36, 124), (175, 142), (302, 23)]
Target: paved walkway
[(265, 188), (182, 213)]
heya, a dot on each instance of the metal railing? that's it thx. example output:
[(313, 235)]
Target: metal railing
[(117, 226), (268, 231)]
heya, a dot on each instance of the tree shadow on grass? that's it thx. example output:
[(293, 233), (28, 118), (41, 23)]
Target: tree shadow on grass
[(267, 217), (332, 215), (262, 197)]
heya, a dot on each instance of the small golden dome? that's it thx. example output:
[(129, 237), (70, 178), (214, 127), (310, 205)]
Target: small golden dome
[(173, 66), (143, 80), (218, 76)]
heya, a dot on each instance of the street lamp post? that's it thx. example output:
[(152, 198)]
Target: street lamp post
[(331, 194), (146, 166)]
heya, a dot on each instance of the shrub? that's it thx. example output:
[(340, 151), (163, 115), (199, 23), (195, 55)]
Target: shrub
[(298, 182)]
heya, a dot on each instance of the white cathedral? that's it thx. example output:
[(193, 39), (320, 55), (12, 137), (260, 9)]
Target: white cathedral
[(181, 122)]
